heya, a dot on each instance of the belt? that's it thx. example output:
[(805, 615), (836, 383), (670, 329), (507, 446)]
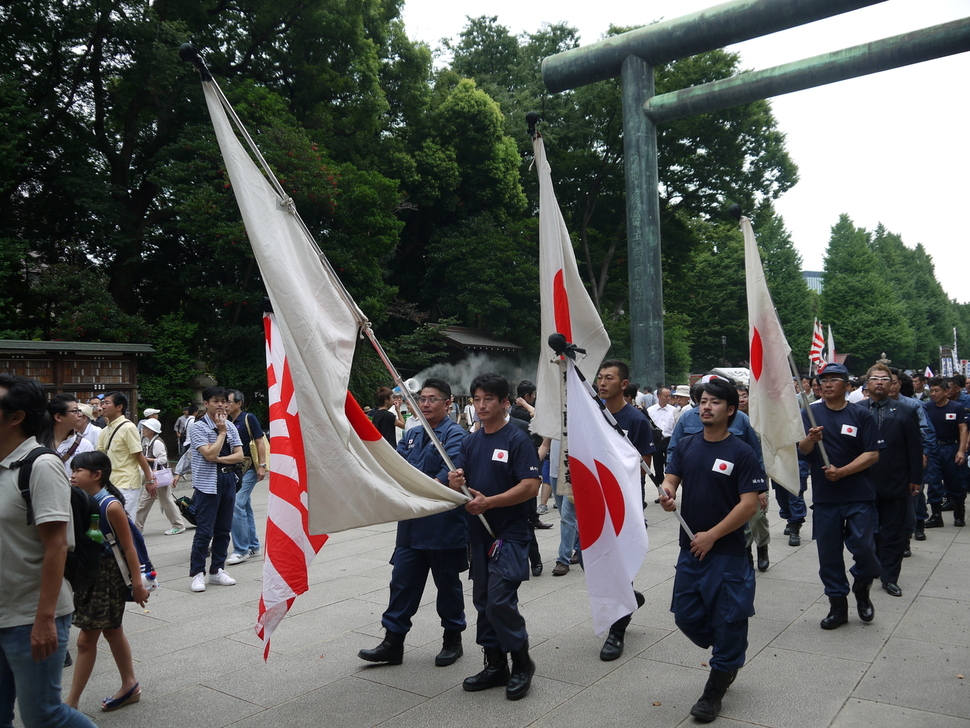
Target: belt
[(947, 442), (229, 468)]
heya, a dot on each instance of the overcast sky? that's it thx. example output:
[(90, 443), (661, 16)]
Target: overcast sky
[(890, 147)]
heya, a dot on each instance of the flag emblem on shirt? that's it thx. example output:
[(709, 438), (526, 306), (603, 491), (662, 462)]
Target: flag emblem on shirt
[(849, 430), (951, 415), (723, 466), (501, 456)]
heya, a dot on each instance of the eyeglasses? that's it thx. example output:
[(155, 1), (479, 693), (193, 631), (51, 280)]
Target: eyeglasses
[(431, 400), (75, 411), (880, 379)]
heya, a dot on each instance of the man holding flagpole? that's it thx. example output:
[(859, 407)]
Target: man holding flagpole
[(500, 467), (435, 544), (614, 376), (715, 585)]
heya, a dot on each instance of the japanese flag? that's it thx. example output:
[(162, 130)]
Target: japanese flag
[(723, 466), (850, 430)]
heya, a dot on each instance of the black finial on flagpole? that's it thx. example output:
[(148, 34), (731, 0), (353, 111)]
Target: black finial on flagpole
[(563, 348), (735, 211), (532, 118), (190, 54)]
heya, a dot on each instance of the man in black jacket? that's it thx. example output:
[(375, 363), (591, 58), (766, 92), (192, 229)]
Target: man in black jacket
[(898, 472)]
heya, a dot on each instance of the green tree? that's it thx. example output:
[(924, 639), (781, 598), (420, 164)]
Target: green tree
[(862, 308)]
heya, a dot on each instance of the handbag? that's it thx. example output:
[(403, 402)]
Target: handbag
[(163, 475)]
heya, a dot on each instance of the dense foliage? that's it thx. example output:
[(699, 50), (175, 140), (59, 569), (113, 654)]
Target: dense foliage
[(117, 222)]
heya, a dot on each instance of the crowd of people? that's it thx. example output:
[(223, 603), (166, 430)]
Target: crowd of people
[(124, 467), (885, 456)]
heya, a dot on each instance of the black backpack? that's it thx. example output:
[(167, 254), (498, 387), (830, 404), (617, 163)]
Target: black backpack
[(84, 562)]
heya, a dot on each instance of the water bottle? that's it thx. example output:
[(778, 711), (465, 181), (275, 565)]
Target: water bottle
[(149, 578), (94, 530)]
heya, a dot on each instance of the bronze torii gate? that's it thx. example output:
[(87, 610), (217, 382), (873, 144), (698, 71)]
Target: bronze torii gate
[(633, 56)]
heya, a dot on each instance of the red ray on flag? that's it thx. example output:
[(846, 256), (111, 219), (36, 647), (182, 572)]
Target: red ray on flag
[(289, 546), (597, 495)]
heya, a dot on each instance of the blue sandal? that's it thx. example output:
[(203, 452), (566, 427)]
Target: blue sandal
[(132, 696)]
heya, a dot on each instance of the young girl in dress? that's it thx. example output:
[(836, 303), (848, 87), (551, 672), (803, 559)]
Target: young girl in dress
[(101, 607)]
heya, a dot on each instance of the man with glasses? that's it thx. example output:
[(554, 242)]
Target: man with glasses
[(843, 494), (66, 425), (436, 544), (898, 474)]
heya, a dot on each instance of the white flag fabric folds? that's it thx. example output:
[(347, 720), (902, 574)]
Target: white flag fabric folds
[(772, 406), (831, 348), (605, 471), (564, 304), (354, 477)]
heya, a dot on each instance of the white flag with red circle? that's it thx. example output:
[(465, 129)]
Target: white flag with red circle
[(564, 305), (772, 406), (605, 471)]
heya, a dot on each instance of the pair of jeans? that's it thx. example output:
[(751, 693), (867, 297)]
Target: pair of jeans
[(244, 536), (35, 686), (213, 522), (568, 534)]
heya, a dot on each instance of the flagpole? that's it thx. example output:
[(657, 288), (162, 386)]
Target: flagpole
[(190, 54), (416, 411), (563, 348)]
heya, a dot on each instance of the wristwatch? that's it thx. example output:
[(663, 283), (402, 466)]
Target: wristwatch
[(262, 465)]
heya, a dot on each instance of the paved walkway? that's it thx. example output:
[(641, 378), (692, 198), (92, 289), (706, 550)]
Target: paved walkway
[(201, 666)]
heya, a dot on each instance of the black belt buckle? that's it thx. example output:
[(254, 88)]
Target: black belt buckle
[(227, 469)]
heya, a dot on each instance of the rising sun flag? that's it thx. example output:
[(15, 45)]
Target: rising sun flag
[(771, 405), (335, 472)]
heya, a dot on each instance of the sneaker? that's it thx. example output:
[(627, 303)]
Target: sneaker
[(174, 530), (237, 558), (198, 582), (221, 578), (542, 509)]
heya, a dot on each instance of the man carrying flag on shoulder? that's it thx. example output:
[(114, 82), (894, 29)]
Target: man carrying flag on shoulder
[(501, 469), (614, 376), (715, 585), (843, 495), (435, 543)]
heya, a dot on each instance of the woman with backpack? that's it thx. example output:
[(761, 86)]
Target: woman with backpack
[(157, 456), (101, 607)]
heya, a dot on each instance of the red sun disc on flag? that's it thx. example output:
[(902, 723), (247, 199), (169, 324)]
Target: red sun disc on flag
[(359, 420), (613, 495), (757, 353), (560, 306), (723, 466), (590, 504)]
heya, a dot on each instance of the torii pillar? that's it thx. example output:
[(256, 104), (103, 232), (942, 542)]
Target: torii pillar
[(632, 56)]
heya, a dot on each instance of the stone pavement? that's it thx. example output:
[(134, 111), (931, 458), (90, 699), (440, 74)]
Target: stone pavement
[(200, 663)]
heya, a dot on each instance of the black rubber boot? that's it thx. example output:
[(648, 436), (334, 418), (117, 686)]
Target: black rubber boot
[(838, 613), (707, 708), (946, 504), (864, 604), (960, 514), (763, 562), (390, 651), (523, 668), (936, 520), (495, 674), (920, 534), (450, 649), (794, 537)]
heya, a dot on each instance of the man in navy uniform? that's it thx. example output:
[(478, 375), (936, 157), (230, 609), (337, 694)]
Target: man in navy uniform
[(500, 467), (715, 585), (946, 469), (843, 494), (897, 474), (435, 544)]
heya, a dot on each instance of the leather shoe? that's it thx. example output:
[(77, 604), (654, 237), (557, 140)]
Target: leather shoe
[(763, 563), (574, 557), (920, 534), (537, 568), (540, 525), (451, 649), (892, 590), (560, 569)]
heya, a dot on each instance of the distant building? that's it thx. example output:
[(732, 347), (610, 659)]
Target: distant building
[(814, 279)]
